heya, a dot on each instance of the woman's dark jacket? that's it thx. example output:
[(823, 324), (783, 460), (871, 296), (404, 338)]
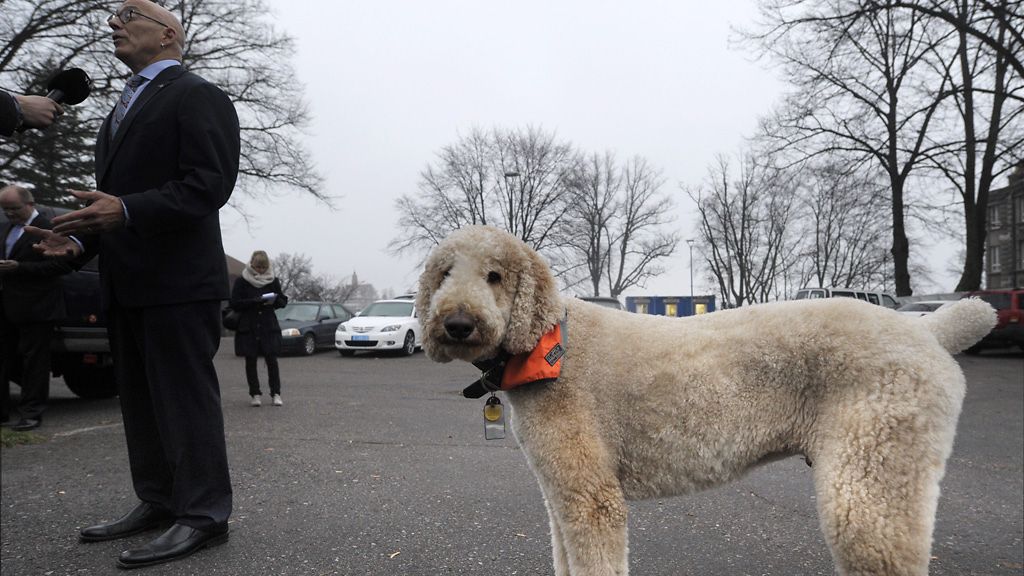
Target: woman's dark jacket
[(258, 332)]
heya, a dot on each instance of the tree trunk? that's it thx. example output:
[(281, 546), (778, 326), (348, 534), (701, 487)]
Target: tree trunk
[(900, 245), (974, 259)]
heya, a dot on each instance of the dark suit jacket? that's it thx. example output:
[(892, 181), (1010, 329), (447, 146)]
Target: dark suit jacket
[(32, 293), (173, 163), (8, 114)]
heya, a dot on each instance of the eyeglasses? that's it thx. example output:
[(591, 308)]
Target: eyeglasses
[(126, 15)]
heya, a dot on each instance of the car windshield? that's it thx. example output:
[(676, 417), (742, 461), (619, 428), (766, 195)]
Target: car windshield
[(606, 302), (299, 312), (998, 301), (390, 309), (920, 307)]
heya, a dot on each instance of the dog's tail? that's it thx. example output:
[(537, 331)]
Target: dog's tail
[(961, 325)]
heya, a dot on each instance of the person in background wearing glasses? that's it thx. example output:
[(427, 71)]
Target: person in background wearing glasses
[(30, 302), (166, 162)]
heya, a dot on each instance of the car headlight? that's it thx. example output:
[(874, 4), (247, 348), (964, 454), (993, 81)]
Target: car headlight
[(391, 328), (342, 328), (290, 332)]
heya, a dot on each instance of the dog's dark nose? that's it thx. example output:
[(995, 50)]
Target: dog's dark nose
[(459, 325)]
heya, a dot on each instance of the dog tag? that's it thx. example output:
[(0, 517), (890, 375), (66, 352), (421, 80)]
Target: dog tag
[(494, 419)]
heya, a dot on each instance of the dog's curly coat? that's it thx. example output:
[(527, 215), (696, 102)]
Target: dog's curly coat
[(653, 406)]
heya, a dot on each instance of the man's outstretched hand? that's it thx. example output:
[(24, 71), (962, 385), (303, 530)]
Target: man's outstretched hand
[(54, 245), (103, 214)]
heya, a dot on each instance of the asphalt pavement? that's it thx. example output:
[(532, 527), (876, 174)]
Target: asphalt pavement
[(376, 466)]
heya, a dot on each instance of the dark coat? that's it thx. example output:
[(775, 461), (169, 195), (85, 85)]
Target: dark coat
[(8, 114), (173, 163), (258, 332), (32, 292)]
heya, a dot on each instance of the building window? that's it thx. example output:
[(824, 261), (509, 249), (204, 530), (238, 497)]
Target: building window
[(1020, 255), (701, 309), (641, 307), (993, 218), (995, 260), (671, 309), (1020, 208)]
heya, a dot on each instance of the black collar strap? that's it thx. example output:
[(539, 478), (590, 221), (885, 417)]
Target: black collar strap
[(494, 368)]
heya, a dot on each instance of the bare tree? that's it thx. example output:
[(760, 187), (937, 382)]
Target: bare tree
[(299, 282), (859, 76), (595, 185), (1003, 16), (513, 179), (47, 36), (615, 225), (637, 236), (293, 271), (229, 43), (984, 132), (844, 228), (744, 220)]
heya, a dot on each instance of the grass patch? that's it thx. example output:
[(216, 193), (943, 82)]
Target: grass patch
[(10, 438)]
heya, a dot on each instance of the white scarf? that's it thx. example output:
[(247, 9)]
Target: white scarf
[(257, 280)]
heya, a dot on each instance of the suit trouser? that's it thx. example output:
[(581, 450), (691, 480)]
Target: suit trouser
[(170, 400), (26, 352)]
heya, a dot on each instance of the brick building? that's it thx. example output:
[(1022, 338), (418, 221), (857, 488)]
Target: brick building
[(1004, 241)]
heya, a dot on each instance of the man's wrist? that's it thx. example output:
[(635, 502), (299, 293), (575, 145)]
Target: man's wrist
[(19, 114)]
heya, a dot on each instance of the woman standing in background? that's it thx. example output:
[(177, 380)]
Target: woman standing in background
[(255, 296)]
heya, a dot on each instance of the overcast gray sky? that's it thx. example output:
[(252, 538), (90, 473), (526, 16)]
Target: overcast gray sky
[(389, 83)]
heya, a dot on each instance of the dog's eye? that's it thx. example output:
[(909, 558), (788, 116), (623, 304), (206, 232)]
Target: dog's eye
[(493, 278), (446, 273)]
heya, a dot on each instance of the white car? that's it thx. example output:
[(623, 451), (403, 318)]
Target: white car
[(923, 307), (383, 325)]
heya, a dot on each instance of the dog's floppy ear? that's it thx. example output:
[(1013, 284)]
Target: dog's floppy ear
[(537, 306), (430, 280)]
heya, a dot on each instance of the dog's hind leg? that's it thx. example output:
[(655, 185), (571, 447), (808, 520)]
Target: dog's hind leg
[(877, 482)]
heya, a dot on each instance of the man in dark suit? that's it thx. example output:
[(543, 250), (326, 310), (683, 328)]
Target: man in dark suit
[(30, 301), (166, 161)]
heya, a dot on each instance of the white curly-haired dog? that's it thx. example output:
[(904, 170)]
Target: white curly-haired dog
[(651, 406)]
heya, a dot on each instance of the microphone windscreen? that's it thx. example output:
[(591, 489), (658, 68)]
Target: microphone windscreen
[(70, 86)]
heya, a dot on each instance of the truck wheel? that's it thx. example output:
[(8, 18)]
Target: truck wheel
[(91, 381)]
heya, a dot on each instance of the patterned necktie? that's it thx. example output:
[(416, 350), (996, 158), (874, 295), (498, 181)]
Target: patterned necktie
[(12, 236), (122, 105)]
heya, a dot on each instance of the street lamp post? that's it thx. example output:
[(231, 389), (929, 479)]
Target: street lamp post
[(693, 305), (509, 175)]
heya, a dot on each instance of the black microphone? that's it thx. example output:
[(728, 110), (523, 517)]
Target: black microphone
[(70, 86)]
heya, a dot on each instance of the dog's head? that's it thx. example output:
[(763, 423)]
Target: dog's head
[(483, 291)]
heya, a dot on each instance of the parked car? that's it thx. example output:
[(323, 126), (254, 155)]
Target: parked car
[(880, 298), (309, 326), (605, 301), (80, 348), (383, 325), (1009, 330), (922, 307)]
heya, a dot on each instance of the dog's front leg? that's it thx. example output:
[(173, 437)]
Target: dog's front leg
[(557, 541), (589, 520), (584, 501)]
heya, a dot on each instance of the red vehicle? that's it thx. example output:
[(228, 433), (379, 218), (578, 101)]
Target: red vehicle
[(1009, 330)]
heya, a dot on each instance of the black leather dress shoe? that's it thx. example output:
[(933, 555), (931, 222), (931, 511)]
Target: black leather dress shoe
[(143, 517), (26, 424), (178, 542)]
